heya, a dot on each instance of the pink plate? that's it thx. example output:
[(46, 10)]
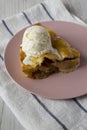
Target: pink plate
[(56, 86)]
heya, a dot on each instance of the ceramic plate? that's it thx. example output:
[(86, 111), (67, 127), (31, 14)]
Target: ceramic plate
[(56, 86)]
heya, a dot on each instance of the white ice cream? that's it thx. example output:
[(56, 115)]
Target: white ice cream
[(36, 41)]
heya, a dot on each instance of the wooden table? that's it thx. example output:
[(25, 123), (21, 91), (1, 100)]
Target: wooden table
[(9, 7)]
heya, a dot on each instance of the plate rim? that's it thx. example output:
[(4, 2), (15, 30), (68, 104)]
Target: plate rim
[(77, 24)]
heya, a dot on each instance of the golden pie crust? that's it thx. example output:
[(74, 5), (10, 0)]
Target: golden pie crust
[(48, 63)]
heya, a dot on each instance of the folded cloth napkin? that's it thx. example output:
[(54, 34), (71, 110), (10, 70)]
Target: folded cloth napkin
[(34, 112)]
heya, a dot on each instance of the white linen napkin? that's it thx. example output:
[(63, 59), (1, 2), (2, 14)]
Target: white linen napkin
[(34, 112)]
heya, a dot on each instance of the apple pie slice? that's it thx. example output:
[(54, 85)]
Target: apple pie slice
[(47, 63)]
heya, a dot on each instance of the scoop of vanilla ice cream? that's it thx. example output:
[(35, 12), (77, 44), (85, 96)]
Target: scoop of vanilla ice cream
[(36, 41)]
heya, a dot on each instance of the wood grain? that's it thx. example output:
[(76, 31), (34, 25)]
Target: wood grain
[(1, 111), (11, 7), (7, 119)]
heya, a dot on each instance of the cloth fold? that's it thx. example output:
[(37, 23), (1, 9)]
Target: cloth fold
[(34, 112)]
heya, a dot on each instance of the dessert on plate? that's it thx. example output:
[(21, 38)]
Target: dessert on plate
[(43, 52)]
